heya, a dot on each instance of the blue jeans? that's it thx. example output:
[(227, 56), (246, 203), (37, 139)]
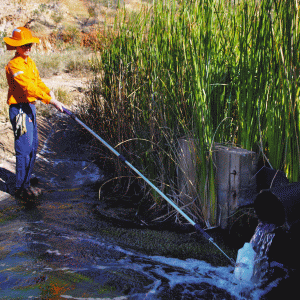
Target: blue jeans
[(25, 145)]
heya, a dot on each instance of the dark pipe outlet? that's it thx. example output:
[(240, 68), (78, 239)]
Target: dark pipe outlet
[(267, 178), (279, 204)]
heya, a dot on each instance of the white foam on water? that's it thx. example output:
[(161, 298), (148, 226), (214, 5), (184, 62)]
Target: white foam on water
[(46, 148), (76, 173), (153, 289), (102, 267), (200, 271), (180, 272), (38, 156), (41, 243), (56, 252), (197, 271), (37, 222), (105, 245)]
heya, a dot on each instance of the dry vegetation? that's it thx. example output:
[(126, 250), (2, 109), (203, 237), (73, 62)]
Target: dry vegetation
[(70, 32)]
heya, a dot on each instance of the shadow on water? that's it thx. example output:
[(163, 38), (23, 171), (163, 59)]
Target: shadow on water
[(7, 181)]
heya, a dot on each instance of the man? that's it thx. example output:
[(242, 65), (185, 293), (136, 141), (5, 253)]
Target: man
[(25, 88)]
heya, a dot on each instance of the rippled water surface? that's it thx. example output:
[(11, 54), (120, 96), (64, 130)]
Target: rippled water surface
[(59, 250), (44, 260)]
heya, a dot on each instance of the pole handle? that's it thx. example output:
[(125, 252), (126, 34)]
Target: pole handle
[(66, 111), (201, 230)]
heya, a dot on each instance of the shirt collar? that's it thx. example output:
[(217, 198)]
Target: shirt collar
[(24, 59)]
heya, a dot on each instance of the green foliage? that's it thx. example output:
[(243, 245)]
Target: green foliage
[(107, 3), (57, 17), (2, 35), (216, 71), (36, 12), (92, 12), (70, 35), (42, 7)]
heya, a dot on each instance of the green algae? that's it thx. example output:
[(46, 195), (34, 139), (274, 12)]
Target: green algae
[(170, 244)]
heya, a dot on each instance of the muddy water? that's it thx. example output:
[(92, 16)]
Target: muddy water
[(61, 249)]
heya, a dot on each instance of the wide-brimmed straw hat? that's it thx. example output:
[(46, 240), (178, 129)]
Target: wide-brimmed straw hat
[(20, 36)]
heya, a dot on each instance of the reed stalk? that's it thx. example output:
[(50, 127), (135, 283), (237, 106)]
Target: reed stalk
[(214, 71)]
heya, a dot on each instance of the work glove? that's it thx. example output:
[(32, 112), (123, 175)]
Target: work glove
[(20, 123)]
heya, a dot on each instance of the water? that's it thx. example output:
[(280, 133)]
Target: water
[(245, 263), (59, 250), (44, 260), (261, 242)]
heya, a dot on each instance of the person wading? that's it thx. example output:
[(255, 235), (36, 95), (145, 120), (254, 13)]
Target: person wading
[(25, 88)]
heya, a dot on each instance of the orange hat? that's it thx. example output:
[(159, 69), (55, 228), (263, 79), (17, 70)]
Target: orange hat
[(20, 37)]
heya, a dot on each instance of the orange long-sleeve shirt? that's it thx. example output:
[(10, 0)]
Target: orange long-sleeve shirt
[(25, 84)]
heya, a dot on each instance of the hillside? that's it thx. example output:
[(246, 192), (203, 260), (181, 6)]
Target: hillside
[(45, 16), (67, 29)]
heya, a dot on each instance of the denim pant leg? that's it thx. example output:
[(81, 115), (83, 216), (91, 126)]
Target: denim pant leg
[(25, 145), (35, 143)]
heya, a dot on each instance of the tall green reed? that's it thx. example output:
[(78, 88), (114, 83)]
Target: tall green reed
[(213, 71)]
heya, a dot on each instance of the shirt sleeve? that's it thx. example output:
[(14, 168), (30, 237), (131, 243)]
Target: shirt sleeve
[(30, 87)]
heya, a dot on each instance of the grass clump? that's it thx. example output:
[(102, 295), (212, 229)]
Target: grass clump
[(169, 243), (57, 17), (63, 96), (79, 64), (48, 64), (69, 36)]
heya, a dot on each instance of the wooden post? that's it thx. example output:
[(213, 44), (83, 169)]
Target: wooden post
[(235, 181)]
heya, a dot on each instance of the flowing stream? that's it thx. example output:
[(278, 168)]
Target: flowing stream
[(59, 250), (45, 260)]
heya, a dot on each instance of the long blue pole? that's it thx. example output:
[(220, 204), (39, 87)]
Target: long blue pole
[(122, 158)]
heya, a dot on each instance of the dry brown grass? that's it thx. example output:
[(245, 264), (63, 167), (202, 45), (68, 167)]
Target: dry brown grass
[(4, 58), (76, 8), (3, 105), (70, 60)]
